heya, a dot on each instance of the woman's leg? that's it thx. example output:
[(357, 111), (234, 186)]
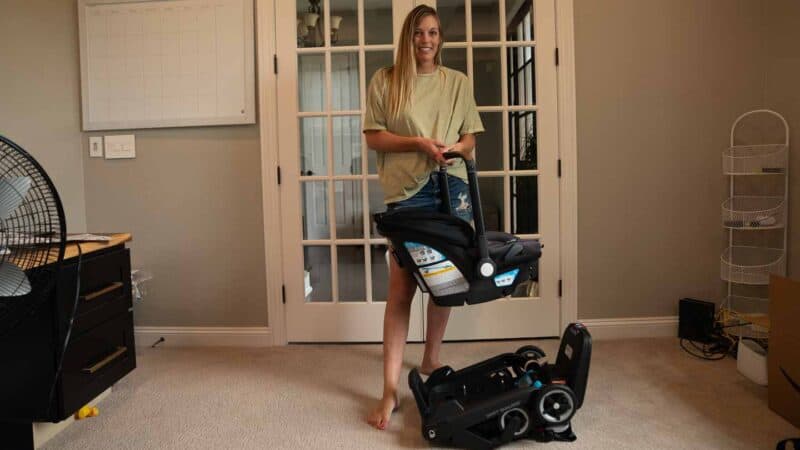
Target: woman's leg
[(437, 323), (461, 206), (395, 333)]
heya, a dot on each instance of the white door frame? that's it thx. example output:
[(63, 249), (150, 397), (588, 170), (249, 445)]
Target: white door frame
[(568, 154), (268, 131), (568, 183)]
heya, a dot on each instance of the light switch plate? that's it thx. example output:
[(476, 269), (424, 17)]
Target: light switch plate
[(96, 146), (120, 146)]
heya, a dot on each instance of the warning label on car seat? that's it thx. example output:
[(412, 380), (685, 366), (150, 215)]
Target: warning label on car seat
[(444, 278), (422, 254)]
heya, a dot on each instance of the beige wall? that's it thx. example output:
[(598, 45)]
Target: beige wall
[(658, 86), (191, 198), (782, 93), (40, 93)]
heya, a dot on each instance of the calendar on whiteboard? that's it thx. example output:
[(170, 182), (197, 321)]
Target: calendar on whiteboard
[(166, 63)]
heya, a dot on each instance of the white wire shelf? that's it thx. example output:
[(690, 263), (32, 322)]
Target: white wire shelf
[(765, 159), (751, 265), (746, 317), (751, 212)]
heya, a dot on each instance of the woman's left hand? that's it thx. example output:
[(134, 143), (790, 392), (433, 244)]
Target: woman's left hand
[(458, 148)]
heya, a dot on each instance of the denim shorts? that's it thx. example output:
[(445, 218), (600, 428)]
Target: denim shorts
[(429, 197)]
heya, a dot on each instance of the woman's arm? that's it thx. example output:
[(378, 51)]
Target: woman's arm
[(385, 141)]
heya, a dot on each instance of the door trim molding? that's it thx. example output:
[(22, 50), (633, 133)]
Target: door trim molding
[(205, 336), (567, 139), (268, 117)]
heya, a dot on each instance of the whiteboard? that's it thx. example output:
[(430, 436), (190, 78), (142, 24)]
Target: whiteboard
[(166, 63)]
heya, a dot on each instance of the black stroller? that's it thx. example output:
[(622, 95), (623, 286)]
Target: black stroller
[(508, 397), (450, 261)]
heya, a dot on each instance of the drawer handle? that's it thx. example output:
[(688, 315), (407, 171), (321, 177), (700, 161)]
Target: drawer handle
[(106, 361), (111, 287)]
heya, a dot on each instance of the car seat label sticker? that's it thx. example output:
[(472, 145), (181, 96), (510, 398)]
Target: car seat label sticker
[(444, 279), (506, 278), (422, 254)]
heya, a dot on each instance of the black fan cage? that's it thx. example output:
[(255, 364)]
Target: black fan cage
[(33, 236)]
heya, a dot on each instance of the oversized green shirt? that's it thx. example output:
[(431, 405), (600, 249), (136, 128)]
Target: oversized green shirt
[(442, 107)]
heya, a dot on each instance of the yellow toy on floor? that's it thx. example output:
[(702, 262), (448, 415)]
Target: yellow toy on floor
[(87, 411)]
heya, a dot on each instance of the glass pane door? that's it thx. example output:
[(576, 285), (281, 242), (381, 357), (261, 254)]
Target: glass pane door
[(507, 48), (335, 266)]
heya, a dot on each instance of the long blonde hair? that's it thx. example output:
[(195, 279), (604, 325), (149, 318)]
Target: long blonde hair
[(404, 71)]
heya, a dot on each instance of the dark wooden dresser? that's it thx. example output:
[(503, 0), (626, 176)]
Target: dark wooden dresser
[(100, 351)]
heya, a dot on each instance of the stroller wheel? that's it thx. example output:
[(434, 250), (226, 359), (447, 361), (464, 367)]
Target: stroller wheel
[(531, 352), (554, 405), (515, 413)]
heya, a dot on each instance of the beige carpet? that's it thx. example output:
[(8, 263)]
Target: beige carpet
[(643, 394)]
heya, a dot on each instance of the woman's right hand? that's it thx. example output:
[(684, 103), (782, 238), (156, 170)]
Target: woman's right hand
[(433, 148)]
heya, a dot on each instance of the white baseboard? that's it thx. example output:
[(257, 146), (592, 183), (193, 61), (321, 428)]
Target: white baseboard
[(636, 327), (204, 336)]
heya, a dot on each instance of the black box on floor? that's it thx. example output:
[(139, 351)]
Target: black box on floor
[(695, 320)]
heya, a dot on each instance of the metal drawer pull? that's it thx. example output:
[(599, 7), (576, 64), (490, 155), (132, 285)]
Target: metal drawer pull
[(106, 361), (111, 287)]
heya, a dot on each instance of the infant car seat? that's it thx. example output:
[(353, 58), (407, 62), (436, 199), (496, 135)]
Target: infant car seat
[(452, 262)]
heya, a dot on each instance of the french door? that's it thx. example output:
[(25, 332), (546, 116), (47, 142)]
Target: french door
[(335, 266)]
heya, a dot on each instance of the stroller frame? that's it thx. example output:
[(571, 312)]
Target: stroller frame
[(509, 397)]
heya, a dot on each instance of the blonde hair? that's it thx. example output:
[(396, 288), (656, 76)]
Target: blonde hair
[(402, 74)]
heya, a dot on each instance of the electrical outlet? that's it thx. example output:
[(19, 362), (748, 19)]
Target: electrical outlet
[(96, 146)]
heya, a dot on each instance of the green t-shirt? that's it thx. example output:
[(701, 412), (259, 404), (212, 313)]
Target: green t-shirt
[(442, 107)]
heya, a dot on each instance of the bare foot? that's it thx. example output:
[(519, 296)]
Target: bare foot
[(428, 368), (379, 417)]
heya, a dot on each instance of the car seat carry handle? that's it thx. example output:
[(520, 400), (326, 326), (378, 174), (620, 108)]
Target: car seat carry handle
[(486, 267), (444, 190)]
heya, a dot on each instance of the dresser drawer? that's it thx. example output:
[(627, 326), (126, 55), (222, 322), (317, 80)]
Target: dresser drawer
[(105, 289), (96, 360)]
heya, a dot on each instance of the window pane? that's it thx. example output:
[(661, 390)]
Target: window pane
[(527, 288), (376, 204), (347, 145), (317, 265), (486, 21), (489, 144), (352, 284), (313, 153), (348, 209), (376, 60), (309, 24), (344, 82), (311, 82), (344, 22), (491, 189), (486, 72), (522, 140), (380, 273), (315, 210), (452, 15), (524, 205), (521, 76), (378, 26), (519, 20), (455, 58)]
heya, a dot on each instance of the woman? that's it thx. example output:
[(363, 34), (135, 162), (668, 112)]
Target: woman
[(416, 111)]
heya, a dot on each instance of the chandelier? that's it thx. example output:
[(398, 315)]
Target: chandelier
[(310, 27)]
